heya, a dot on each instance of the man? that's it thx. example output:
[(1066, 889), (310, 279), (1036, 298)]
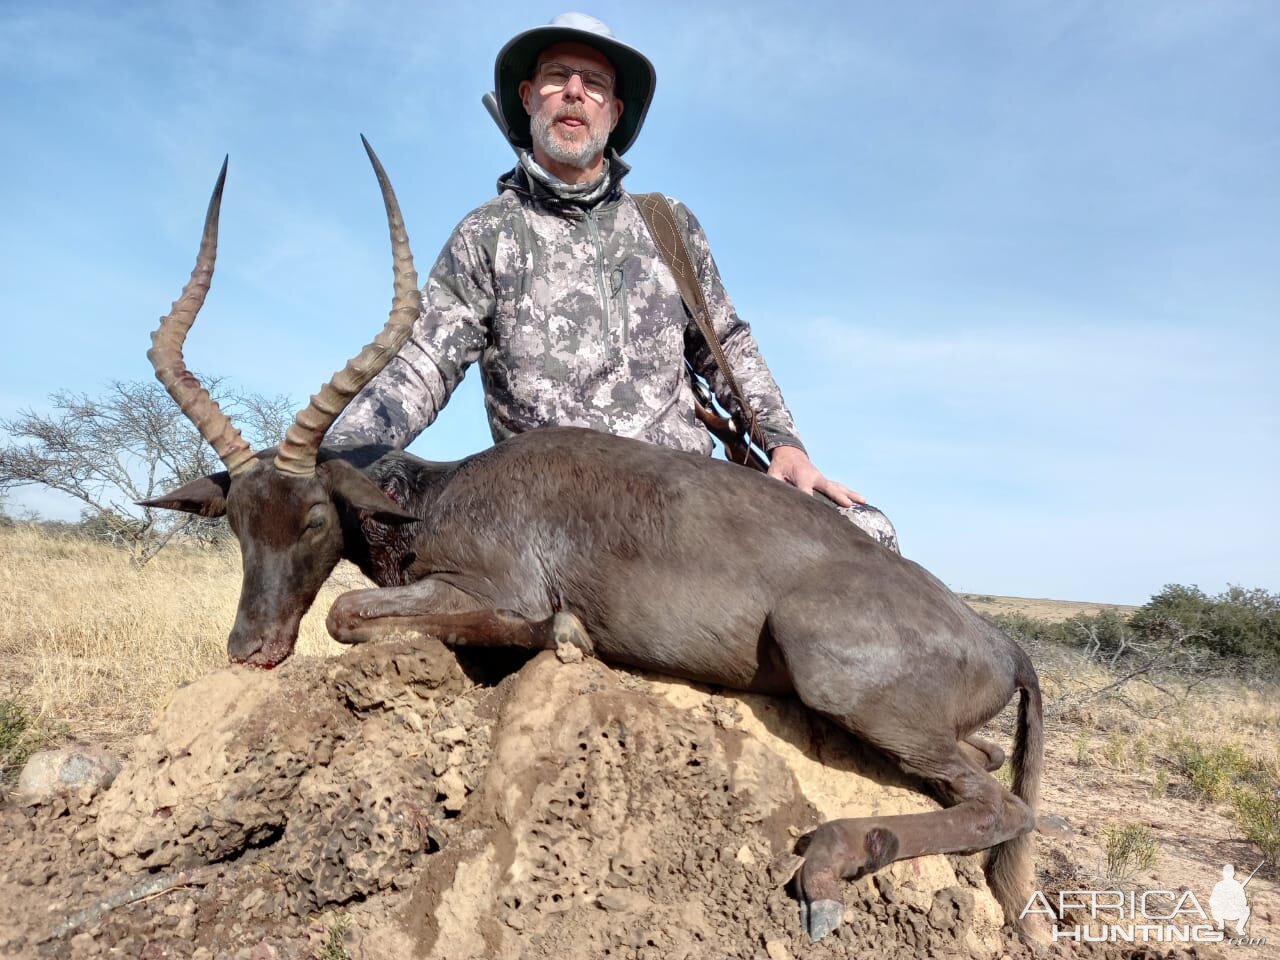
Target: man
[(557, 287)]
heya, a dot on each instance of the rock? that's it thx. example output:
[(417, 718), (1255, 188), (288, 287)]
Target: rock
[(76, 769), (1051, 825), (454, 790), (884, 884), (451, 735), (611, 901), (951, 910), (568, 653), (180, 908)]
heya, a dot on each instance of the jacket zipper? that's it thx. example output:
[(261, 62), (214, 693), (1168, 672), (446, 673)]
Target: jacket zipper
[(623, 307), (601, 284)]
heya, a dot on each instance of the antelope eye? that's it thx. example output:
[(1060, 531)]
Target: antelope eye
[(316, 522)]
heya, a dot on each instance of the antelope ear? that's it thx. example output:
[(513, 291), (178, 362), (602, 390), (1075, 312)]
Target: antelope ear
[(206, 497), (348, 483)]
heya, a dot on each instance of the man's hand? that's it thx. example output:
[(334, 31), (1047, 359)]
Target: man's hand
[(792, 465)]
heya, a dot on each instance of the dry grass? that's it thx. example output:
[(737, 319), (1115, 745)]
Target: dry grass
[(90, 640), (1196, 778)]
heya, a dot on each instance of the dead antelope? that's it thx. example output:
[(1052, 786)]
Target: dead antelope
[(671, 562)]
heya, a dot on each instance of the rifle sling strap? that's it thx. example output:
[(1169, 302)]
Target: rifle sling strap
[(661, 220)]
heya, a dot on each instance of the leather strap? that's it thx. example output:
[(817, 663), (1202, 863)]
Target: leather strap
[(661, 220)]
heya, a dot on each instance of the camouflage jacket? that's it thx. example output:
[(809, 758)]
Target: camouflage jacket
[(559, 292)]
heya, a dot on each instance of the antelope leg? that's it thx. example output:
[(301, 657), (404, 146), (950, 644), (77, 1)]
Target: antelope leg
[(438, 611)]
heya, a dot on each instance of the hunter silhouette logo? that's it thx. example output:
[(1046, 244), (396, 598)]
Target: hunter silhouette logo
[(1229, 901), (1144, 916)]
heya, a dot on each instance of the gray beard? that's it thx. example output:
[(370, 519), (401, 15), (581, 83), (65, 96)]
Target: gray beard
[(580, 156)]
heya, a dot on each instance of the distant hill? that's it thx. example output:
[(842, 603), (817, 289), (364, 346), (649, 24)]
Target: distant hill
[(1053, 610)]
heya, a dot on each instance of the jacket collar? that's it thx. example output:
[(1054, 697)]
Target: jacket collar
[(529, 179)]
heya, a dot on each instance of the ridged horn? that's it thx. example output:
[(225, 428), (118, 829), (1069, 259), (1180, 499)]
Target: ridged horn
[(166, 351), (297, 454)]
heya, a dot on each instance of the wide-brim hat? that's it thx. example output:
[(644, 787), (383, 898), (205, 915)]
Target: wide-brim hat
[(635, 74)]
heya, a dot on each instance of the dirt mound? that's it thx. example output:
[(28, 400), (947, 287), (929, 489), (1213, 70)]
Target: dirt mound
[(388, 805), (611, 823), (345, 769)]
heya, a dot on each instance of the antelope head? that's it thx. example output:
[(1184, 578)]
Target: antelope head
[(285, 507)]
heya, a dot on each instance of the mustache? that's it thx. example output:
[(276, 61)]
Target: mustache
[(571, 112)]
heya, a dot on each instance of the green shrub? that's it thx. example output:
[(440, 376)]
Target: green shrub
[(1213, 771), (1129, 848), (1105, 630), (18, 739), (1257, 810), (1240, 625)]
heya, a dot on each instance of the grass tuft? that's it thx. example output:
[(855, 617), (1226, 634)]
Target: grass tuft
[(1116, 751), (1159, 787), (335, 944), (1084, 750)]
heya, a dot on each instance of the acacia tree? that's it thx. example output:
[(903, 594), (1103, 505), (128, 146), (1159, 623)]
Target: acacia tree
[(131, 443)]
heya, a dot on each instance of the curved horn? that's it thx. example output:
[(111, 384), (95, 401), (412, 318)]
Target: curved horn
[(166, 351), (297, 453)]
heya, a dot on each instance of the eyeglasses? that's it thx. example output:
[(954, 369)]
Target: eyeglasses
[(557, 76)]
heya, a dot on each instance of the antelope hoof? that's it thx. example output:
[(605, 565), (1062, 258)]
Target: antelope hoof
[(820, 917), (342, 623), (571, 640)]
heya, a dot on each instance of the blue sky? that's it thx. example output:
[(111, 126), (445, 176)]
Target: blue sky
[(1016, 265)]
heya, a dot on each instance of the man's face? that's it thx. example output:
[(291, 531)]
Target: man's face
[(571, 123)]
